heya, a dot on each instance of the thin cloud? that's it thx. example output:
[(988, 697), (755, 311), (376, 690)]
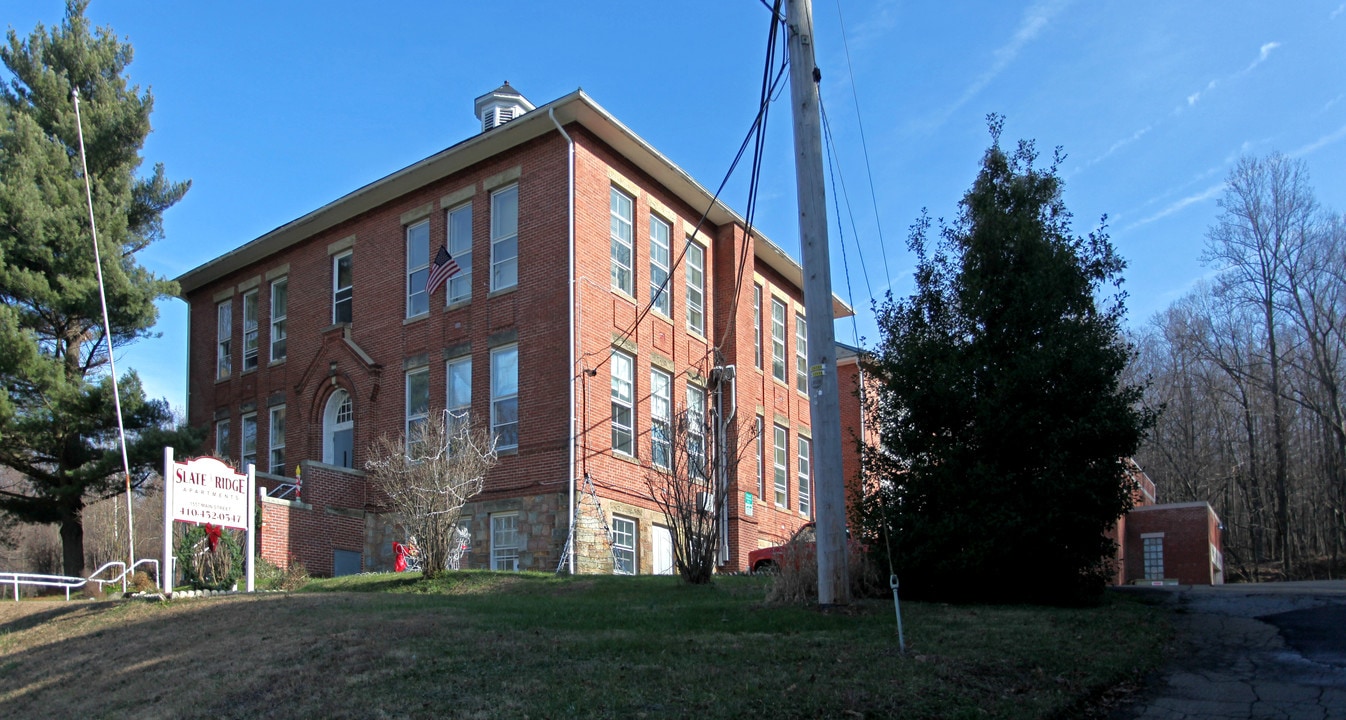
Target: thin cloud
[(1121, 144), (1329, 104), (1177, 205), (1320, 143), (1263, 53), (1035, 19), (1340, 9)]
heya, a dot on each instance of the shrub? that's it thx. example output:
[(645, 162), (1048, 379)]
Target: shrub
[(270, 576), (795, 581)]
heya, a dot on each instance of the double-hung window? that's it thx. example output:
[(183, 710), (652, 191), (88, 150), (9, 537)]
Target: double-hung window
[(505, 238), (224, 335), (460, 247), (761, 454), (458, 379), (280, 301), (621, 208), (276, 428), (801, 354), (696, 432), (505, 541), (696, 288), (417, 408), (505, 396), (342, 287), (248, 446), (623, 545), (661, 418), (778, 339), (222, 439), (418, 268), (660, 232), (250, 330), (803, 468), (757, 326), (779, 457), (623, 403)]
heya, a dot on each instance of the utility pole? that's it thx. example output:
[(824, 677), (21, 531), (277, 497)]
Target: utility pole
[(824, 402)]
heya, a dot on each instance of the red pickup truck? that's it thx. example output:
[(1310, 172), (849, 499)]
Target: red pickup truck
[(805, 537)]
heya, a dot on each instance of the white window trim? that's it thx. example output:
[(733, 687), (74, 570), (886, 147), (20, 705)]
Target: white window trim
[(222, 438), (696, 425), (757, 326), (276, 441), (801, 354), (461, 411), (622, 275), (804, 473), (279, 334), (495, 549), (661, 413), (224, 336), (411, 417), (780, 446), (412, 293), (496, 262), (761, 455), (248, 419), (620, 548), (778, 359), (623, 434), (661, 298), (496, 399), (337, 289), (696, 290), (463, 257), (251, 330)]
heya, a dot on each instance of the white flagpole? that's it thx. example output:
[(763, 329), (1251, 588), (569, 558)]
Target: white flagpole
[(107, 335)]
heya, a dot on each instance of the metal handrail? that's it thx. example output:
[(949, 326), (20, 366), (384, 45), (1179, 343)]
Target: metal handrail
[(70, 583), (65, 581)]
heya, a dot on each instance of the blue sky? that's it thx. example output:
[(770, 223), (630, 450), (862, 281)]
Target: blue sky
[(273, 109)]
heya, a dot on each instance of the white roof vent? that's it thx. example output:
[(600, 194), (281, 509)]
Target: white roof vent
[(501, 105)]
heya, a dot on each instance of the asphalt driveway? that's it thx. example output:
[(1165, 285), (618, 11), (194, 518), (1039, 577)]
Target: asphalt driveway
[(1270, 650)]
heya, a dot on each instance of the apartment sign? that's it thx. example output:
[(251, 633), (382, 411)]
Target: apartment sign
[(206, 490)]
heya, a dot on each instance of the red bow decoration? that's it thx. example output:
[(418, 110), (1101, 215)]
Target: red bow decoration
[(213, 536)]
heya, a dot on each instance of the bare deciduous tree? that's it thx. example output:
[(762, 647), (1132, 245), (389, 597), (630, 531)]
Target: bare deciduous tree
[(429, 477), (688, 479)]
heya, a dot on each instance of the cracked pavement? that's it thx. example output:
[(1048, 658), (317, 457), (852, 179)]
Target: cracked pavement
[(1270, 650)]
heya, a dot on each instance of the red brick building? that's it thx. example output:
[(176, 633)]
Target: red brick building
[(313, 340), (1170, 543)]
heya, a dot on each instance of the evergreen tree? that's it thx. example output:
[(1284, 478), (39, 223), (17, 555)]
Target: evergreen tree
[(1003, 417), (58, 429)]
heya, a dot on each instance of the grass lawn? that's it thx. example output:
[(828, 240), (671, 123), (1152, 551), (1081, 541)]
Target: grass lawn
[(486, 645)]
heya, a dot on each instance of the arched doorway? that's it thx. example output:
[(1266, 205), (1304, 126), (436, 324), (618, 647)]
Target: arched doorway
[(338, 430)]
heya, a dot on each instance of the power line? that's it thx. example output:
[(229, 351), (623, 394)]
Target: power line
[(864, 145)]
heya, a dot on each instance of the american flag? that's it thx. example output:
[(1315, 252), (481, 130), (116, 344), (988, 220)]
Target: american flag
[(443, 268)]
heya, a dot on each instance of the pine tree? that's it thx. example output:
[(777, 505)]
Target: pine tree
[(1003, 417), (58, 429)]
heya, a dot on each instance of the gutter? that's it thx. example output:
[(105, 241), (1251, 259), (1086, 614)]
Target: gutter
[(570, 470)]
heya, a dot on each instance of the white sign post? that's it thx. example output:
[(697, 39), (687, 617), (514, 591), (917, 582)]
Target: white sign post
[(206, 490)]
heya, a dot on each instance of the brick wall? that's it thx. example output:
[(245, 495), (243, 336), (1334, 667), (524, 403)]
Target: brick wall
[(369, 357), (1189, 531)]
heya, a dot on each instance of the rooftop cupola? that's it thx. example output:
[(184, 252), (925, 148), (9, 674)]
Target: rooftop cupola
[(501, 105)]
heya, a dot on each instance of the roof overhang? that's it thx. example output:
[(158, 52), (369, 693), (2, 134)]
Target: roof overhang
[(577, 107)]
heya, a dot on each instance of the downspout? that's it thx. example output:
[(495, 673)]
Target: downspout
[(570, 470)]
